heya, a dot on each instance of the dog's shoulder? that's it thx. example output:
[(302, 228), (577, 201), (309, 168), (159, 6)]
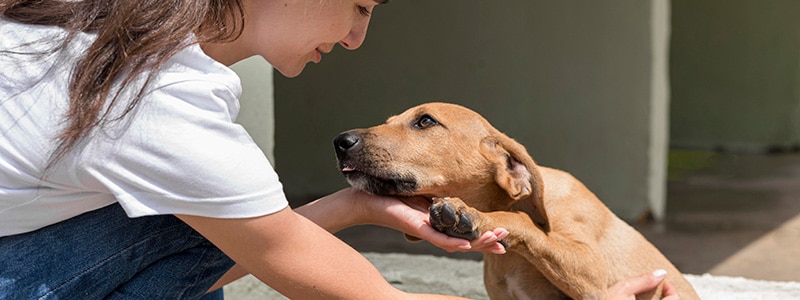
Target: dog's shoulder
[(556, 177), (559, 184)]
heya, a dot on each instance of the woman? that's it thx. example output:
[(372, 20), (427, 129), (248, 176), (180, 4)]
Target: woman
[(122, 174)]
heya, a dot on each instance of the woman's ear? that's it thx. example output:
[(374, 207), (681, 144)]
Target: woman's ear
[(517, 173)]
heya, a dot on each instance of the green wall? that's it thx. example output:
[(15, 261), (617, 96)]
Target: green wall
[(734, 72), (572, 80)]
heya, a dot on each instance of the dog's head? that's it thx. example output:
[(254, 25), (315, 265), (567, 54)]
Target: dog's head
[(443, 150)]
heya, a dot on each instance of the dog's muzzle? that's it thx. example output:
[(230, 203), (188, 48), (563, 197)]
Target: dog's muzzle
[(367, 171)]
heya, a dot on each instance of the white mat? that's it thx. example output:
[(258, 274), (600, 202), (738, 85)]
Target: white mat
[(723, 287)]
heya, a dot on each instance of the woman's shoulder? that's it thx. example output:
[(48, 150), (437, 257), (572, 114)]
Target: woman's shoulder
[(192, 65), (195, 84)]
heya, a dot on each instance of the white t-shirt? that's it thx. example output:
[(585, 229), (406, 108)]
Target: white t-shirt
[(178, 152)]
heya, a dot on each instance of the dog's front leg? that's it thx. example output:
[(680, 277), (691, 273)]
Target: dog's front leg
[(568, 263)]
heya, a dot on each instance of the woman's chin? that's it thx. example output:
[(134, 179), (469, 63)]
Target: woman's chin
[(291, 71)]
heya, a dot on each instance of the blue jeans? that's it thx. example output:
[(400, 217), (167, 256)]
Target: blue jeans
[(103, 254)]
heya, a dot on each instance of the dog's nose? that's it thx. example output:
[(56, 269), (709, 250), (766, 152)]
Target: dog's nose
[(345, 141)]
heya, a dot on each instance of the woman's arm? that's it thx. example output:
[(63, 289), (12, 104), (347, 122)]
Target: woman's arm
[(296, 257), (350, 207)]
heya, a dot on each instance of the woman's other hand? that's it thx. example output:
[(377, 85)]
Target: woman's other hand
[(630, 287)]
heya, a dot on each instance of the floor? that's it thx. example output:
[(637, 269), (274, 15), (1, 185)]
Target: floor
[(727, 214)]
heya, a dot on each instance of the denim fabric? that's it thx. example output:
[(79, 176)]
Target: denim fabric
[(103, 254), (215, 295)]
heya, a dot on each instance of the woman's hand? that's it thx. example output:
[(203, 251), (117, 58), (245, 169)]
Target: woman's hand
[(349, 207), (629, 288), (410, 215)]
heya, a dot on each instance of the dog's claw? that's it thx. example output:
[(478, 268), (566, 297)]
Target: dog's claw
[(504, 243), (452, 220)]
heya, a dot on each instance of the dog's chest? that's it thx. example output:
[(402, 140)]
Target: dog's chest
[(511, 277)]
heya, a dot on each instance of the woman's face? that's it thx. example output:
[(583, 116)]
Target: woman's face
[(291, 33)]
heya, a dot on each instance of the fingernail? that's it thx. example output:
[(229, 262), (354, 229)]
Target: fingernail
[(659, 273), (465, 247), (502, 235)]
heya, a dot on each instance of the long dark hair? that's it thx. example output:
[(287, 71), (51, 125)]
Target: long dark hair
[(133, 37)]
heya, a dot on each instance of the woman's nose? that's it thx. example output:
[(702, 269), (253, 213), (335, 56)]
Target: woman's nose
[(356, 36)]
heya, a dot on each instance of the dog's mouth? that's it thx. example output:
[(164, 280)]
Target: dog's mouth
[(395, 186), (378, 182)]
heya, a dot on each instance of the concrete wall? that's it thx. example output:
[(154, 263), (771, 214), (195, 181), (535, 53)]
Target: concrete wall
[(735, 74), (580, 83), (257, 103)]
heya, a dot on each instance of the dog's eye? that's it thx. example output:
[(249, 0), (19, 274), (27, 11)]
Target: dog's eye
[(424, 122)]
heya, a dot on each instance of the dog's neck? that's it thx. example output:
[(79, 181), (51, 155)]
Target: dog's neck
[(486, 197)]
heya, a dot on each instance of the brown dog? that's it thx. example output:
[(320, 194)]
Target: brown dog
[(563, 241)]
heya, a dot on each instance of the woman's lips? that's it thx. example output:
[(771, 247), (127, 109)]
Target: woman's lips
[(317, 56), (319, 51)]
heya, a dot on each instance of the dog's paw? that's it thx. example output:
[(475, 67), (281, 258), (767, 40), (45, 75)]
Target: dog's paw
[(454, 218)]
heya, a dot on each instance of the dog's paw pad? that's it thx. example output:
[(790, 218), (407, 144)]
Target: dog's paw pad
[(450, 216)]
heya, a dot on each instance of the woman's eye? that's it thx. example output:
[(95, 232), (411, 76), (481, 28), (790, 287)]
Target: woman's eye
[(425, 122), (363, 10)]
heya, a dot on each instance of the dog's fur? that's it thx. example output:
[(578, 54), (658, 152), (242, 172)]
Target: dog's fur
[(563, 241)]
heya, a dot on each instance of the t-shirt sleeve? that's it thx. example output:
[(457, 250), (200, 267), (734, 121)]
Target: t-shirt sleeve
[(180, 152)]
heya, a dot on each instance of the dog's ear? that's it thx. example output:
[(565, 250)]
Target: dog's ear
[(517, 173)]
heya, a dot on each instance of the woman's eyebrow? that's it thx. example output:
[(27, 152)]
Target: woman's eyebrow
[(381, 1)]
